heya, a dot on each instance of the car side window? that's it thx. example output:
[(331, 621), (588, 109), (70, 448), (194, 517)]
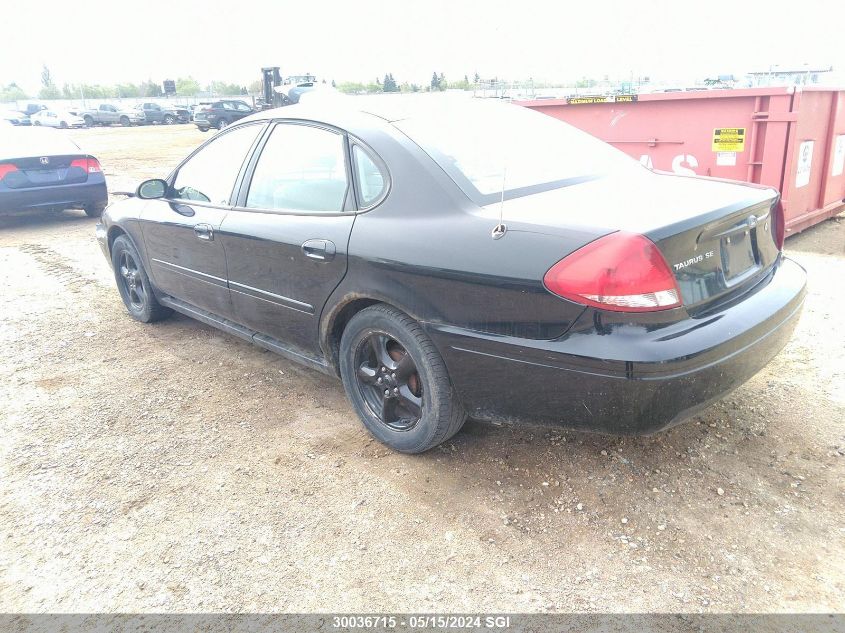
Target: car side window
[(371, 180), (242, 107), (227, 106), (301, 168), (210, 174)]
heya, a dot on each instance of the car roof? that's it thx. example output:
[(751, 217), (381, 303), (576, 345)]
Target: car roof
[(330, 106)]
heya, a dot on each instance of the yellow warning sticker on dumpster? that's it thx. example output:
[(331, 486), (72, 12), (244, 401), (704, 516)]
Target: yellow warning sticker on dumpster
[(729, 139)]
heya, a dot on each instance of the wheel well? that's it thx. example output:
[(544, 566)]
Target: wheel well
[(114, 233), (338, 324)]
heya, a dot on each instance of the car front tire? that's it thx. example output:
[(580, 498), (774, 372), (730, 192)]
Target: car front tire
[(124, 121), (134, 284), (397, 381)]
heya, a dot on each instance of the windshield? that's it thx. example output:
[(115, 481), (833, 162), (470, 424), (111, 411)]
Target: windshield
[(481, 144)]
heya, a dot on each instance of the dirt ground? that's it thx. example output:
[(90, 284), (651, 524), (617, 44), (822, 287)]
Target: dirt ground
[(171, 467)]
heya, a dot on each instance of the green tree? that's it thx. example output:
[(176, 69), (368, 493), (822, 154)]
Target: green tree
[(187, 86), (256, 87), (49, 92), (149, 88), (223, 88), (389, 84), (12, 92), (435, 82), (127, 90), (48, 88)]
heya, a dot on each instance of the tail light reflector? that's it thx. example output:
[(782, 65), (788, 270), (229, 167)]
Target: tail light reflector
[(778, 224), (6, 168), (90, 165), (622, 272)]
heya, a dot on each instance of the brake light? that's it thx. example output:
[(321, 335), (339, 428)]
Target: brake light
[(6, 168), (622, 272), (778, 224), (90, 165)]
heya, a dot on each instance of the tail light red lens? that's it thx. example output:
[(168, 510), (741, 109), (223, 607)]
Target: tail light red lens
[(622, 272), (778, 224), (90, 165), (6, 168)]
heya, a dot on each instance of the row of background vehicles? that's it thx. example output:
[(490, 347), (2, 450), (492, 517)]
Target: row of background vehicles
[(109, 114)]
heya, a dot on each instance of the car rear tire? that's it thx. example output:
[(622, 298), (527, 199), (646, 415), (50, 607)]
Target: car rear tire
[(63, 125), (134, 284), (89, 121), (397, 381), (93, 211), (169, 120), (222, 124), (124, 121)]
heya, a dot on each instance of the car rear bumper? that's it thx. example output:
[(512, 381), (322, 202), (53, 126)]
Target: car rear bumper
[(56, 197), (624, 378)]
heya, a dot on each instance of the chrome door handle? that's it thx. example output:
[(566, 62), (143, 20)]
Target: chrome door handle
[(204, 231), (323, 250)]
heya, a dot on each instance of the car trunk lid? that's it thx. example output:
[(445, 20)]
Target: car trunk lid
[(716, 236), (44, 171)]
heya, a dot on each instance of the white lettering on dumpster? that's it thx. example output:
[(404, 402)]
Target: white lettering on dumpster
[(805, 164), (678, 167), (838, 156)]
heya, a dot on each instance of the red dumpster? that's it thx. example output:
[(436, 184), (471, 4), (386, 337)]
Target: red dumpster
[(790, 139)]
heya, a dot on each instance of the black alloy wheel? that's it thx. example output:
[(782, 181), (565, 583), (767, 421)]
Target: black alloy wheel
[(388, 381), (397, 381), (134, 284)]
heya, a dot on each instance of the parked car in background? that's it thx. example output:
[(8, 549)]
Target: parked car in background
[(193, 109), (221, 114), (43, 169), (108, 114), (31, 108), (165, 114), (15, 118), (468, 258), (56, 118)]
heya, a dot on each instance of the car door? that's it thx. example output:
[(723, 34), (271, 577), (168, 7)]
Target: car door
[(181, 232), (286, 240), (108, 114)]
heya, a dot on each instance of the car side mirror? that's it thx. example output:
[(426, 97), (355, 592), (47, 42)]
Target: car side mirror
[(152, 189)]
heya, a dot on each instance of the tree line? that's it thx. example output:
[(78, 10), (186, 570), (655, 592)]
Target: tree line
[(438, 83), (185, 87)]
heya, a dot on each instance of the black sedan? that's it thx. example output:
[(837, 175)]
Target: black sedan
[(463, 258), (44, 170)]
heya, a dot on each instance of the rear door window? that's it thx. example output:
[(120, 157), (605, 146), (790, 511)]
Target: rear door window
[(371, 180), (301, 168)]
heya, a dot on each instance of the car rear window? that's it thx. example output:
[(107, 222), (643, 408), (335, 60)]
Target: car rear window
[(17, 142), (487, 147)]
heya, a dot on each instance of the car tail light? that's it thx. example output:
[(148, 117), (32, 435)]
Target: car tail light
[(90, 165), (622, 272), (778, 224), (6, 168)]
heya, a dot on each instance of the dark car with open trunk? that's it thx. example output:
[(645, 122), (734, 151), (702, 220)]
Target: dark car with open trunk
[(448, 258)]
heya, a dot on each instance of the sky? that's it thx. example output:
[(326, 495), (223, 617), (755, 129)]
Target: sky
[(111, 41)]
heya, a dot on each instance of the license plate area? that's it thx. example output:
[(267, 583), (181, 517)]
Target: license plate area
[(738, 256)]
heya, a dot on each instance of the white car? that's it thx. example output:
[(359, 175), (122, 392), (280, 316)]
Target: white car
[(57, 118)]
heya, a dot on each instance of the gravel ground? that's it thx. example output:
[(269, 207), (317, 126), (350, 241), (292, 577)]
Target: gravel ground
[(175, 468)]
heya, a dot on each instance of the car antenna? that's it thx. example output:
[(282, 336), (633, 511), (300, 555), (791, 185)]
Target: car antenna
[(501, 228)]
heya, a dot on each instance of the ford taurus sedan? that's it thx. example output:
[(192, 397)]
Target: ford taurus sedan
[(447, 259), (44, 170)]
